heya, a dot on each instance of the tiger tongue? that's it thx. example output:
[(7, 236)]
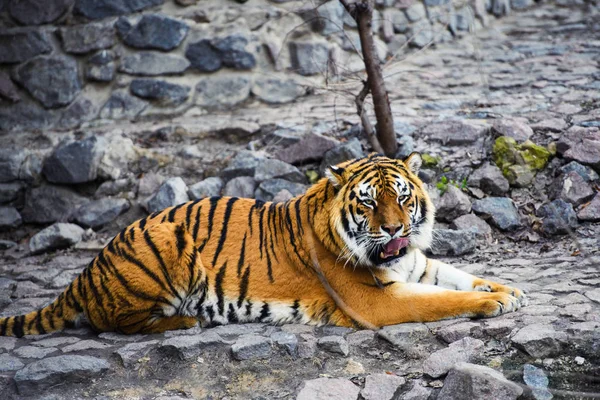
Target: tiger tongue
[(394, 246)]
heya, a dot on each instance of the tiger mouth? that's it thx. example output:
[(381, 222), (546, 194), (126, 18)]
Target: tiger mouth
[(392, 250)]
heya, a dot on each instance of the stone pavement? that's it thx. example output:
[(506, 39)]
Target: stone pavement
[(537, 76)]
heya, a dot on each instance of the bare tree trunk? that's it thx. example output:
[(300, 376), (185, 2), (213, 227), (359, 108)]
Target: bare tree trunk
[(362, 12)]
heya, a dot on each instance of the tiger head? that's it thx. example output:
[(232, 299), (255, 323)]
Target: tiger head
[(381, 209)]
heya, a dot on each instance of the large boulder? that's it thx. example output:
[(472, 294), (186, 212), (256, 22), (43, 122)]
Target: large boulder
[(500, 211), (97, 213), (47, 204), (476, 382), (57, 236), (75, 161), (171, 193), (22, 46)]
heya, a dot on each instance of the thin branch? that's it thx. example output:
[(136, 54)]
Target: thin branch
[(364, 118)]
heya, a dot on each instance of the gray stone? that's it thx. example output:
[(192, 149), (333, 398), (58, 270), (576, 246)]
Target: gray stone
[(171, 193), (588, 174), (286, 340), (381, 386), (406, 146), (282, 196), (47, 204), (242, 186), (499, 328), (10, 163), (81, 39), (268, 189), (22, 46), (101, 67), (244, 163), (7, 343), (328, 389), (187, 347), (152, 63), (8, 90), (10, 363), (75, 161), (334, 344), (398, 20), (453, 203), (97, 9), (25, 115), (132, 352), (122, 105), (537, 380), (53, 80), (235, 330), (80, 111), (540, 340), (7, 244), (251, 347), (57, 236), (277, 91), (572, 187), (501, 8), (513, 128), (593, 295), (581, 145), (465, 350), (520, 5), (271, 169), (55, 341), (558, 217), (9, 218), (204, 56), (500, 211), (162, 92), (415, 339), (85, 345), (34, 352), (223, 91), (453, 242), (209, 187), (31, 12), (422, 34), (347, 151), (98, 213), (309, 58), (454, 332), (453, 133), (417, 392), (416, 12), (360, 337), (473, 223), (470, 381), (327, 18), (489, 178), (153, 31), (232, 51), (591, 211), (311, 147), (41, 375)]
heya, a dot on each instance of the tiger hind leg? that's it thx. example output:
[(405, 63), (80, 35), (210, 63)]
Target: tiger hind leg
[(169, 323)]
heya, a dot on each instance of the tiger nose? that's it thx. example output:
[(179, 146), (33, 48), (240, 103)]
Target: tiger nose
[(391, 229)]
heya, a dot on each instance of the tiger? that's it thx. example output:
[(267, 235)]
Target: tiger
[(223, 260)]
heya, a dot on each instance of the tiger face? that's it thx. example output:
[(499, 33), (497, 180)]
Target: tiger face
[(381, 209)]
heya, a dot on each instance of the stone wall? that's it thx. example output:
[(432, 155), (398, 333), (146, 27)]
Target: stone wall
[(72, 63)]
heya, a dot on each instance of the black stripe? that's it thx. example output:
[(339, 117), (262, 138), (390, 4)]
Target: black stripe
[(224, 228), (50, 318), (298, 219), (180, 239), (96, 293), (134, 292), (242, 257), (122, 235), (38, 323), (18, 323), (197, 224), (219, 288), (244, 286), (142, 224), (171, 215), (3, 326), (211, 214), (211, 312), (248, 308), (188, 213), (231, 315), (191, 269), (147, 271), (250, 217), (265, 312), (162, 264), (296, 309), (132, 234), (260, 231)]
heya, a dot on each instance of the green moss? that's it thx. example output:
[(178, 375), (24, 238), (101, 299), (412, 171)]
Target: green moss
[(519, 162), (312, 175), (504, 151), (535, 156), (430, 161)]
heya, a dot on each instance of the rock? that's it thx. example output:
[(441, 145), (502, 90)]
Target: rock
[(415, 339), (268, 189), (251, 347), (381, 386), (57, 236), (537, 380), (164, 93), (5, 245), (34, 352), (97, 9), (47, 204), (334, 344), (406, 146), (223, 91), (454, 332), (10, 164), (453, 203), (417, 391), (572, 187), (242, 186), (277, 91), (470, 381), (440, 362), (244, 163), (151, 63), (209, 187), (288, 341), (558, 217), (101, 67), (311, 147), (132, 352), (453, 133), (81, 39), (187, 347), (52, 80), (309, 58), (8, 90), (328, 389), (122, 105), (271, 169), (232, 51), (41, 375), (26, 115), (55, 341), (489, 178), (581, 145), (550, 125), (519, 162), (416, 12), (282, 196), (22, 46), (80, 111), (7, 343), (502, 212), (473, 223), (520, 5), (85, 345), (540, 340), (398, 20), (118, 154), (347, 151), (422, 34), (588, 174), (327, 18), (9, 218), (153, 31), (31, 12), (591, 211), (453, 242), (513, 128), (75, 161), (98, 213), (171, 193), (10, 363), (203, 56), (593, 295)]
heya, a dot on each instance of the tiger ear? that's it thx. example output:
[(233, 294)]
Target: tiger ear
[(414, 162), (335, 175)]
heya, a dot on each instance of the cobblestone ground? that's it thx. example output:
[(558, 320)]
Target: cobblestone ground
[(541, 65)]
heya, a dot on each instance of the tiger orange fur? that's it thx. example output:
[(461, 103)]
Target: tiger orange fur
[(231, 260)]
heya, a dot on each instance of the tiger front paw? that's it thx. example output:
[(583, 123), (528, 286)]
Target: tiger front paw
[(482, 285), (494, 304)]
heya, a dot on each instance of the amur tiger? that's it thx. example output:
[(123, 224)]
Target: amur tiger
[(226, 260)]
